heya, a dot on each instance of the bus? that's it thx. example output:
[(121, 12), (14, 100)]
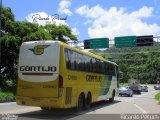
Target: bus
[(52, 74)]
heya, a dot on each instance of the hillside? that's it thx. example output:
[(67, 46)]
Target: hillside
[(135, 62)]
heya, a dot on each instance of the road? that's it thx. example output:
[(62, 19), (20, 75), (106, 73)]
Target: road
[(138, 104)]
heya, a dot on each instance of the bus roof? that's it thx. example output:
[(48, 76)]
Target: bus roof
[(87, 53)]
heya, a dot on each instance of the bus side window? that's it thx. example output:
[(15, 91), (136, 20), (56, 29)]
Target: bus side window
[(102, 67), (79, 60), (68, 58), (73, 60), (88, 63), (94, 65), (107, 71), (98, 66), (82, 64)]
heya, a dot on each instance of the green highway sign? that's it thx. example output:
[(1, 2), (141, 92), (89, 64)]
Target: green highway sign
[(99, 43), (126, 41)]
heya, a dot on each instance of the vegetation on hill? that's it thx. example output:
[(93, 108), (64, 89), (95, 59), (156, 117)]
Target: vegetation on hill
[(136, 62)]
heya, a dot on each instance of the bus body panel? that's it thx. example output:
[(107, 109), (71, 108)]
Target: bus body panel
[(37, 89), (38, 69)]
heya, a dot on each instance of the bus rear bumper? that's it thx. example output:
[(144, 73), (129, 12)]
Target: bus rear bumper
[(40, 102)]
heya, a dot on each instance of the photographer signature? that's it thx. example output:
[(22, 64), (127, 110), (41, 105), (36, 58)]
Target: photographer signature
[(53, 17)]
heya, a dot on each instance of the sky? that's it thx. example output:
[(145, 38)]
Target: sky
[(92, 18)]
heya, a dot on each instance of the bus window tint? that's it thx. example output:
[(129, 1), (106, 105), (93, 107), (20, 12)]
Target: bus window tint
[(73, 60), (94, 65), (80, 62), (109, 68), (68, 58), (87, 63), (101, 67)]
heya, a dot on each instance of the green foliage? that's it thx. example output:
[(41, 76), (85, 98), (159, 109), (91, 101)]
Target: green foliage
[(61, 32), (123, 84), (7, 19), (6, 97), (157, 97), (9, 53), (16, 32), (137, 62), (39, 34)]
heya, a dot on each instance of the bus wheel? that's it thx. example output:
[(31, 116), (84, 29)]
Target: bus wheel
[(112, 98), (80, 103), (88, 101)]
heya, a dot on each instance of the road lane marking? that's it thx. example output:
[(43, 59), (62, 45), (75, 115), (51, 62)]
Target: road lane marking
[(140, 108), (20, 110)]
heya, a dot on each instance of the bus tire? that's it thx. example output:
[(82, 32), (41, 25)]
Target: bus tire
[(112, 98), (80, 104), (88, 101)]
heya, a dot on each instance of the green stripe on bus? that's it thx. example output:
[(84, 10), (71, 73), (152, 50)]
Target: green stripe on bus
[(106, 85)]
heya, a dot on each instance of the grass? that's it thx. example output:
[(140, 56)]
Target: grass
[(157, 97), (6, 97)]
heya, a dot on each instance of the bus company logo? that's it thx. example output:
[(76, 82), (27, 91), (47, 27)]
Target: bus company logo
[(39, 49)]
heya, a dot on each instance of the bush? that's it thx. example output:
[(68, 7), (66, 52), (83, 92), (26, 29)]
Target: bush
[(123, 84), (6, 97), (157, 97)]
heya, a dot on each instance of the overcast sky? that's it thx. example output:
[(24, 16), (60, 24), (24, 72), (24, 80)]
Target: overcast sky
[(92, 18)]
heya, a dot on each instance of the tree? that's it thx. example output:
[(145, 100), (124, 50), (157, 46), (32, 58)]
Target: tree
[(8, 47), (16, 32), (62, 32), (7, 19)]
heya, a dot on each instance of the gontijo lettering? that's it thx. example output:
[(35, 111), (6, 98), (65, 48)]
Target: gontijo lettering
[(93, 78), (38, 68)]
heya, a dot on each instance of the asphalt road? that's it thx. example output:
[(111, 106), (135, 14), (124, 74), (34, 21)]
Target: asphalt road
[(138, 104)]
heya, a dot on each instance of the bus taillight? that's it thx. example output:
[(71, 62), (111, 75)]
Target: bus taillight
[(60, 84)]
